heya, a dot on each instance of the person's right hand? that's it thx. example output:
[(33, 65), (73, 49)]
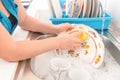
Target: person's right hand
[(70, 40)]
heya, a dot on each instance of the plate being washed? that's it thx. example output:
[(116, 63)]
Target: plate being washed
[(92, 52)]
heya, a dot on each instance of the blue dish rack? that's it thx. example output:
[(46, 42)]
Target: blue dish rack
[(95, 22)]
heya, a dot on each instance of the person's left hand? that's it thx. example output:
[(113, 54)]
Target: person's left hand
[(63, 27)]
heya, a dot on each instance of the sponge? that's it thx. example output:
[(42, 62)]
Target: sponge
[(84, 36)]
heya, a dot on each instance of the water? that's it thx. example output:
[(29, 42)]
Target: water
[(104, 6)]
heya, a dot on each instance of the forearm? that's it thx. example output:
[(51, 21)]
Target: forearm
[(35, 25), (32, 24), (28, 49)]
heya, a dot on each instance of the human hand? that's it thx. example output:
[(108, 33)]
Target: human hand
[(63, 27), (70, 41)]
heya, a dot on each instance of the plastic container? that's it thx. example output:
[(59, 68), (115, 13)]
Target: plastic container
[(95, 22)]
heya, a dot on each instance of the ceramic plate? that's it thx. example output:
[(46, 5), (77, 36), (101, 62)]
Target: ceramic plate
[(84, 7), (99, 14), (57, 8), (96, 8), (70, 6), (92, 51), (79, 74), (78, 8), (62, 4), (92, 8), (87, 14), (101, 10)]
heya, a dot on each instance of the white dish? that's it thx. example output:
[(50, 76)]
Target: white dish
[(57, 64), (79, 74), (96, 8), (87, 14), (62, 4), (70, 6), (78, 8), (101, 10), (51, 8), (92, 8), (93, 50), (59, 68), (57, 8), (85, 7)]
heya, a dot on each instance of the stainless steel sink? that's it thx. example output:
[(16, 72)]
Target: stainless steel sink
[(111, 46), (37, 35)]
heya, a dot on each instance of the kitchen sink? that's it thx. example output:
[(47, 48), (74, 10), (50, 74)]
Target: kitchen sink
[(112, 48), (110, 70), (111, 66)]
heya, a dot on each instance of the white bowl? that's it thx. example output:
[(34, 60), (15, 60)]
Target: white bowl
[(57, 64), (79, 74)]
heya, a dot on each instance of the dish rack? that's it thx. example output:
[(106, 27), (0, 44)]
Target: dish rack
[(93, 22)]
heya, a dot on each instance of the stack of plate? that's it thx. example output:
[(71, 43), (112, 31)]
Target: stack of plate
[(77, 8)]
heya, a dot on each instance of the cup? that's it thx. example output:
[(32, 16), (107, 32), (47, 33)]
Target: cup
[(79, 74), (59, 68)]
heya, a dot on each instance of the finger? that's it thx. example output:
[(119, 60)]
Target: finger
[(77, 34), (76, 46), (72, 48), (74, 25), (69, 27), (79, 41), (73, 31)]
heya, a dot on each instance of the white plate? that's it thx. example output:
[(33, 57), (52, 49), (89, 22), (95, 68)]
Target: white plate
[(79, 74), (93, 50), (85, 7), (101, 10), (87, 14), (70, 6), (78, 8), (57, 8), (92, 8), (96, 8), (62, 4)]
